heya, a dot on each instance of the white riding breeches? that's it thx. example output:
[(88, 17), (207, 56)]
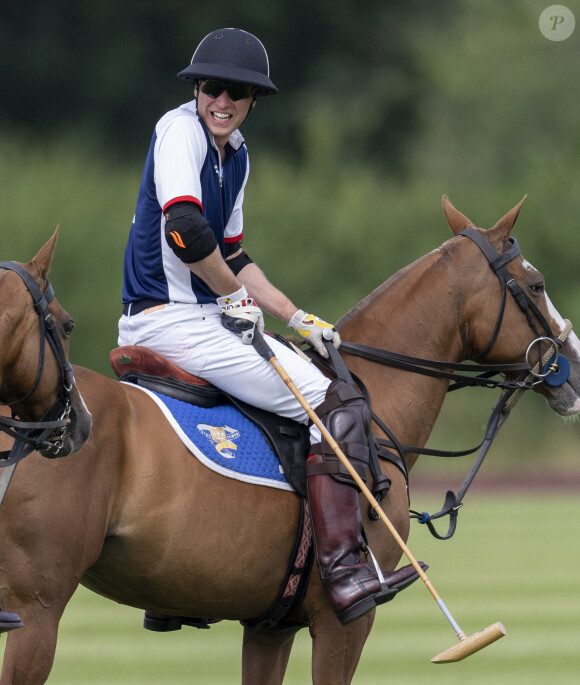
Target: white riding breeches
[(193, 338)]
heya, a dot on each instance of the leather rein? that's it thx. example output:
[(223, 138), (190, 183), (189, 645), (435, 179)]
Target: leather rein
[(50, 432), (527, 377)]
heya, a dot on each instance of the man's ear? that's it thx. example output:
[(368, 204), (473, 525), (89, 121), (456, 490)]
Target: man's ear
[(253, 103)]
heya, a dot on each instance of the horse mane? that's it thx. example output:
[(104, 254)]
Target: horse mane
[(379, 290)]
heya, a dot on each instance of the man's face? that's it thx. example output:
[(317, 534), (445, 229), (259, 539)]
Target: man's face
[(221, 114)]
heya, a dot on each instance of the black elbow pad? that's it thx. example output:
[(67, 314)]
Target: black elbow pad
[(238, 262), (188, 232)]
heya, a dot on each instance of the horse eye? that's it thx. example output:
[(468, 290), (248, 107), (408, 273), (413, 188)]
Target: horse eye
[(538, 288), (68, 326)]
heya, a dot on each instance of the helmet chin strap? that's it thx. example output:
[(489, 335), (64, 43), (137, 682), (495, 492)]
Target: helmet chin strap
[(252, 105)]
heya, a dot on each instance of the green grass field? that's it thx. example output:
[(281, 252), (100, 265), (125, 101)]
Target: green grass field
[(514, 559)]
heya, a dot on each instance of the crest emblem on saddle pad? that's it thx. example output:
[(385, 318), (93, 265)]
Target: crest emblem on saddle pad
[(221, 437)]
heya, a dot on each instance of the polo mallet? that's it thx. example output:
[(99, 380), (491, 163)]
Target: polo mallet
[(467, 645)]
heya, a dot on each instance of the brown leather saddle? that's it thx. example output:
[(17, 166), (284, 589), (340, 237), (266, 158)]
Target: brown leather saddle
[(142, 359)]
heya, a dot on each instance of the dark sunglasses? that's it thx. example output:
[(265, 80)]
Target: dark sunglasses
[(237, 91)]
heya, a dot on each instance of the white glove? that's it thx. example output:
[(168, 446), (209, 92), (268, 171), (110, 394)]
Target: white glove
[(314, 330), (240, 314)]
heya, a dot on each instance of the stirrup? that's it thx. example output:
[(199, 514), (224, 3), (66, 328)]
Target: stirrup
[(165, 623), (402, 577), (9, 621), (366, 604)]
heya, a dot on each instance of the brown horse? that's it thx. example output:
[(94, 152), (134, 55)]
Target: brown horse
[(134, 517)]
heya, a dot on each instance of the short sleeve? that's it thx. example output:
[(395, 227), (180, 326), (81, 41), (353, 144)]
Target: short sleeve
[(180, 151)]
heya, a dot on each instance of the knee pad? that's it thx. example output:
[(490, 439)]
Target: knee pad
[(346, 415)]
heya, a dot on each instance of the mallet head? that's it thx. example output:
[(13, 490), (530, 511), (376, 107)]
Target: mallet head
[(471, 644)]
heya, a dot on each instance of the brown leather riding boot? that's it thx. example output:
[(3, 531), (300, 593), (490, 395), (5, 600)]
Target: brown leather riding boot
[(354, 585)]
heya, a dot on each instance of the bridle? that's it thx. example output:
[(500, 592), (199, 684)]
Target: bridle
[(48, 434), (552, 368), (498, 264)]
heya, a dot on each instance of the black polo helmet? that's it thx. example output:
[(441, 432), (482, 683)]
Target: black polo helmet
[(231, 55)]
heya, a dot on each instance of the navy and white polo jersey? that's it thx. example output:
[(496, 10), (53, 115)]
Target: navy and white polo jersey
[(183, 164)]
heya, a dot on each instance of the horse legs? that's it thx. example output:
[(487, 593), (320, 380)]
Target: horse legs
[(29, 652), (336, 649), (265, 655)]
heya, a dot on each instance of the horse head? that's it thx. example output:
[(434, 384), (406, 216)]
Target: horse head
[(36, 378), (508, 315)]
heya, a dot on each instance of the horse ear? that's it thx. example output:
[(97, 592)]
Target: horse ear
[(457, 221), (41, 262), (505, 225)]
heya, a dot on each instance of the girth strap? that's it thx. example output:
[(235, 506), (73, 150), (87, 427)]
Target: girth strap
[(294, 586)]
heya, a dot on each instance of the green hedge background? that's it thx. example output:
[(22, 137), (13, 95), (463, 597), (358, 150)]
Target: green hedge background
[(383, 107)]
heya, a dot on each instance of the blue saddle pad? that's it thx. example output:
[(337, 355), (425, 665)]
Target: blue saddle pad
[(224, 440)]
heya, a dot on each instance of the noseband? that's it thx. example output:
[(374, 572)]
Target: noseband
[(50, 432)]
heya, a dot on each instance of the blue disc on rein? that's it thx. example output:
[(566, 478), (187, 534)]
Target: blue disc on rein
[(560, 374)]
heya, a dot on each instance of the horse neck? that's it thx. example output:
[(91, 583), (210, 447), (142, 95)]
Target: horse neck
[(417, 312)]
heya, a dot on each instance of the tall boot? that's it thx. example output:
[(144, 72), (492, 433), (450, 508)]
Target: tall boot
[(353, 584)]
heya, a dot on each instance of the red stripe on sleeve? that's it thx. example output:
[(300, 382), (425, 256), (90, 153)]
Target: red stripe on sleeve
[(184, 198)]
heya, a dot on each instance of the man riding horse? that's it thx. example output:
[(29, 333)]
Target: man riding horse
[(187, 281)]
